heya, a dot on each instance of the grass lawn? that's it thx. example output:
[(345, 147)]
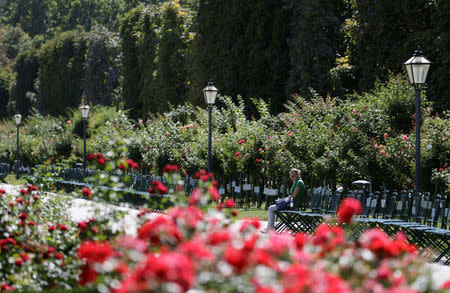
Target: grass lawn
[(11, 179), (252, 213)]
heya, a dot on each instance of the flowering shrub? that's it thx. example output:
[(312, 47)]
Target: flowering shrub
[(37, 243), (196, 246)]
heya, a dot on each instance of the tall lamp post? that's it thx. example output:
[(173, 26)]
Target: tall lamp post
[(417, 67), (18, 119), (210, 93), (85, 115)]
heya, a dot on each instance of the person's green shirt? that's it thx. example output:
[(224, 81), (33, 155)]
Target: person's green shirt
[(299, 183)]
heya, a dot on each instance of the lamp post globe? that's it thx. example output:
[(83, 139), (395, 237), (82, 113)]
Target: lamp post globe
[(85, 115), (210, 93), (417, 68), (17, 120)]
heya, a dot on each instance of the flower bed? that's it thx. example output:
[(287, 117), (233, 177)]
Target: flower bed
[(194, 247)]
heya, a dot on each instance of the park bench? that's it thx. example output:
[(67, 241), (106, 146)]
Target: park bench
[(422, 217)]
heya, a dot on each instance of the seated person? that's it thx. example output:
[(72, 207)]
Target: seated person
[(295, 195)]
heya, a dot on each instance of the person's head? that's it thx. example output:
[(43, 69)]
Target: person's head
[(294, 174)]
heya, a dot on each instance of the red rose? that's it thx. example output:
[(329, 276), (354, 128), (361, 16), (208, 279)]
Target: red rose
[(58, 255), (24, 191), (86, 192), (158, 187), (234, 213), (90, 157), (88, 275), (20, 200), (24, 257), (23, 216), (101, 161), (214, 193), (51, 228), (95, 252), (347, 209), (18, 262), (170, 168), (229, 203), (2, 191)]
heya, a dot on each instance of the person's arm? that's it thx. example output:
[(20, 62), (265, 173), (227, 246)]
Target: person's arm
[(296, 192)]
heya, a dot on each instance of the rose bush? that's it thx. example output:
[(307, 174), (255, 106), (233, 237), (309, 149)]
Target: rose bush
[(331, 140), (194, 246), (37, 242)]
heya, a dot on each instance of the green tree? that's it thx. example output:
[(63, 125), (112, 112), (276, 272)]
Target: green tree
[(61, 72), (313, 45), (26, 67), (102, 67)]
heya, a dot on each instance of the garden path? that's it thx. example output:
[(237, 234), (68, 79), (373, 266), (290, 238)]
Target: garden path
[(81, 209)]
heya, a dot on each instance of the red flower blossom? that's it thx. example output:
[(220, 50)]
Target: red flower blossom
[(167, 267), (6, 287), (446, 285), (18, 262), (122, 166), (237, 154), (215, 195), (82, 225), (2, 191), (347, 209), (258, 161), (229, 203), (51, 228), (158, 230), (86, 192), (133, 164), (234, 213), (158, 187), (95, 252), (404, 137), (24, 257), (237, 258), (195, 197), (59, 255), (24, 191), (170, 168), (101, 161), (90, 157), (88, 275), (62, 227), (20, 200), (32, 188), (219, 237), (23, 216), (250, 223)]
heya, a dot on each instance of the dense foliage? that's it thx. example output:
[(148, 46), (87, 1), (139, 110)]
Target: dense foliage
[(332, 141), (148, 55)]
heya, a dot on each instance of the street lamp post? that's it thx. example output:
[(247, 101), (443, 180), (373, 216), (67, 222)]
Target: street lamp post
[(18, 119), (210, 93), (85, 115), (417, 67)]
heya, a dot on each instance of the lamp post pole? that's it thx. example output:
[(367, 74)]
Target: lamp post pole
[(84, 115), (209, 138), (18, 119), (17, 159), (417, 67), (84, 148), (210, 93), (417, 122)]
